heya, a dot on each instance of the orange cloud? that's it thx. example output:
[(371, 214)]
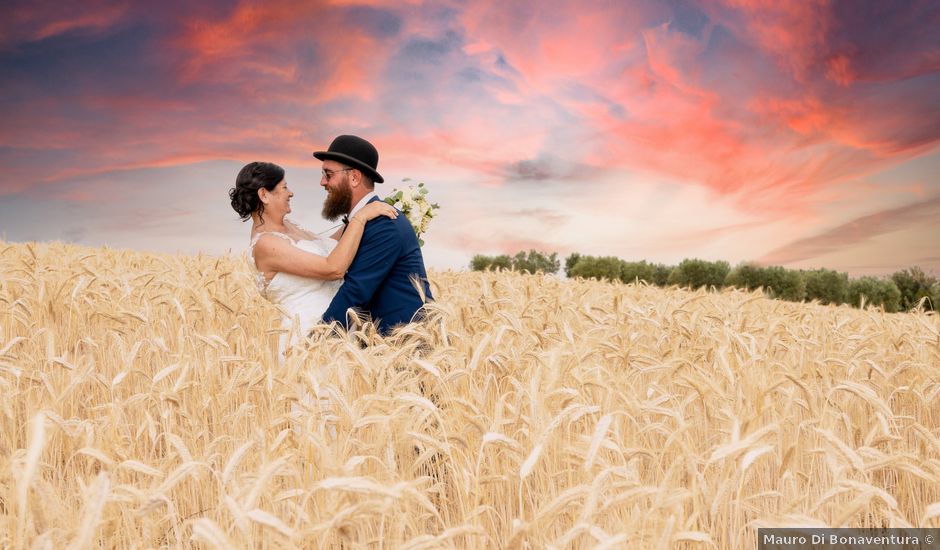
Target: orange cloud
[(792, 32), (507, 92), (260, 41), (558, 42)]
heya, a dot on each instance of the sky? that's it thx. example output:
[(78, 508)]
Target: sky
[(799, 133)]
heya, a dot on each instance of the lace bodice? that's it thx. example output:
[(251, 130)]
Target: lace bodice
[(261, 282)]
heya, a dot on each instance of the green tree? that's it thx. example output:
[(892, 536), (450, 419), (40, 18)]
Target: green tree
[(697, 273), (536, 262), (484, 263), (661, 274), (826, 286), (875, 291), (914, 285), (776, 281), (746, 276), (785, 284), (633, 271), (606, 268), (480, 262), (570, 262)]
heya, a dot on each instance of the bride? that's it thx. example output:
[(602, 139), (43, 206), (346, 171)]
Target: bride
[(296, 270)]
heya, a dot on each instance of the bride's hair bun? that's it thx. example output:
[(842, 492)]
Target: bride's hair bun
[(251, 177)]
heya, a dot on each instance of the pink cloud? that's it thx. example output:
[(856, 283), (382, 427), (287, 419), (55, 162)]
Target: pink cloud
[(611, 87), (89, 21), (792, 32), (681, 125), (258, 43), (41, 20), (856, 232), (555, 43)]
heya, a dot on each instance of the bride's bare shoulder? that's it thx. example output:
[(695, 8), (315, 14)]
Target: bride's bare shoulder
[(269, 239)]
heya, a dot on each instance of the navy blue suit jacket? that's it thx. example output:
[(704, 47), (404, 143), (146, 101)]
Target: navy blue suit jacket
[(378, 281)]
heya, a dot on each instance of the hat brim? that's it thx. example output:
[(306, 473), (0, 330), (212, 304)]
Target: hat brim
[(352, 163)]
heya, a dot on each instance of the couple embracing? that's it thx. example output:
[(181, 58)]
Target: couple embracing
[(371, 266)]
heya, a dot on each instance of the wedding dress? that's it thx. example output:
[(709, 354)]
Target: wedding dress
[(301, 300)]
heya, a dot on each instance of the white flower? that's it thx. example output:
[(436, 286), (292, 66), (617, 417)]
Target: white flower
[(413, 203)]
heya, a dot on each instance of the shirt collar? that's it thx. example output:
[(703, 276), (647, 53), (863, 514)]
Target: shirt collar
[(362, 202)]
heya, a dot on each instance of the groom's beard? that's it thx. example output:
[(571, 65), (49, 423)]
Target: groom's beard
[(338, 201)]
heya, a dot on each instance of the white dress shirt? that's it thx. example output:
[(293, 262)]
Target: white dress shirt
[(362, 202)]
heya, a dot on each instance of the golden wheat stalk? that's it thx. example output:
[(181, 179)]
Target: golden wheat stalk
[(526, 411)]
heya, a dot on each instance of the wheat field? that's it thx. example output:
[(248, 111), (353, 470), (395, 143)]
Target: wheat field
[(144, 405)]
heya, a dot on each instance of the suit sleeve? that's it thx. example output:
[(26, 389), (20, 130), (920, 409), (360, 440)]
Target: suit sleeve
[(378, 250)]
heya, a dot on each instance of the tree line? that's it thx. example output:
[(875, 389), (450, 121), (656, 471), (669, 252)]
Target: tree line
[(903, 290)]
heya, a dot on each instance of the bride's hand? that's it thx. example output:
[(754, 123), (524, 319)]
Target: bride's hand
[(374, 210)]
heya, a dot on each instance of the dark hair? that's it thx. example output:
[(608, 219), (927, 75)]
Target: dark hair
[(251, 177)]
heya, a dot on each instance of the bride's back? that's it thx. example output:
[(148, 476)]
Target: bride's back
[(300, 298)]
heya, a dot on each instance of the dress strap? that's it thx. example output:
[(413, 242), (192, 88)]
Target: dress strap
[(308, 235), (254, 240), (289, 220)]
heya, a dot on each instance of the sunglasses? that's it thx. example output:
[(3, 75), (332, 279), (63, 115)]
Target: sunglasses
[(328, 174)]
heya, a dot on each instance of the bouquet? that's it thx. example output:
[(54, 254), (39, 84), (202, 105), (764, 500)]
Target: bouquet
[(414, 204)]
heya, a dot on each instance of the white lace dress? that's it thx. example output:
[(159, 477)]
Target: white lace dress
[(302, 300)]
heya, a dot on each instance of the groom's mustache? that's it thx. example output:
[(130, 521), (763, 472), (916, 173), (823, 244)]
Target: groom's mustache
[(338, 202)]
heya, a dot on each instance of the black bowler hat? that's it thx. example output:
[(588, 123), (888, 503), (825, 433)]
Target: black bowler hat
[(355, 152)]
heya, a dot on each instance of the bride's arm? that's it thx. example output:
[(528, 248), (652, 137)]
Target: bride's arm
[(278, 255)]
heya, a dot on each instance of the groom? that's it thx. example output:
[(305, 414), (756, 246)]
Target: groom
[(379, 281)]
